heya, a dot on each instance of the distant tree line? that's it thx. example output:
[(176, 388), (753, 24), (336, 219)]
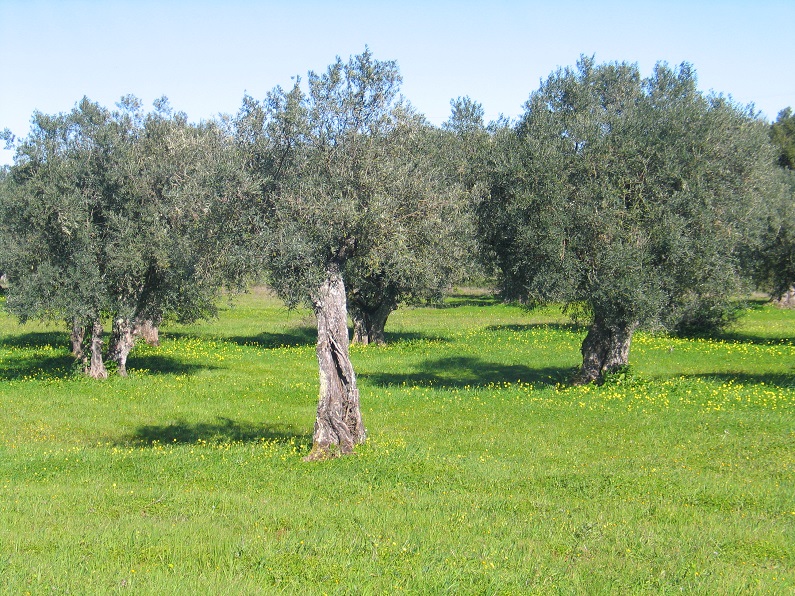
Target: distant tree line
[(636, 202)]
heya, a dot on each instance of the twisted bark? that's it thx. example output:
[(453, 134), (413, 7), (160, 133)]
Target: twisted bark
[(338, 426)]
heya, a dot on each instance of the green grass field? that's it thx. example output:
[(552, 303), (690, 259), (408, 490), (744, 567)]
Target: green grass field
[(484, 473)]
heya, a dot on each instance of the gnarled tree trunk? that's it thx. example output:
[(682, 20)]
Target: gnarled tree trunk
[(96, 368), (338, 426), (368, 324), (605, 349), (122, 341), (77, 336), (148, 331)]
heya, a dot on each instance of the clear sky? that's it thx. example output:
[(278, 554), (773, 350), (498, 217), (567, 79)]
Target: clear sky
[(205, 54)]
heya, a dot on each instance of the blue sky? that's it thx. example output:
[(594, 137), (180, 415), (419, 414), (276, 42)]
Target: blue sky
[(204, 55)]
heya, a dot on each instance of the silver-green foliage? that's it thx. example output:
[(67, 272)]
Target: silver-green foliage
[(772, 260), (345, 173), (629, 195)]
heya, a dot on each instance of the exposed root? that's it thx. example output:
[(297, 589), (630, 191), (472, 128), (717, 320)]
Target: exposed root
[(326, 452)]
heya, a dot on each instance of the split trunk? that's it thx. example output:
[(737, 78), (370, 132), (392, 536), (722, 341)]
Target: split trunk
[(148, 331)]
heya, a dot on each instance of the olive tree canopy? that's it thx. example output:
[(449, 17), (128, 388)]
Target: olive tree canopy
[(426, 245)]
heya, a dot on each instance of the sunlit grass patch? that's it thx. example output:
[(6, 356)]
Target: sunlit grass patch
[(484, 470)]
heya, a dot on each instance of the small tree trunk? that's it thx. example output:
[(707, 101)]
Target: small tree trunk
[(338, 426), (77, 337), (605, 348), (122, 341), (786, 300), (96, 368), (360, 334), (368, 325), (149, 332)]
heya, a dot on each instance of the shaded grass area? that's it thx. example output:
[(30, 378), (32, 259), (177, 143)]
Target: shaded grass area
[(483, 473), (220, 431), (470, 372)]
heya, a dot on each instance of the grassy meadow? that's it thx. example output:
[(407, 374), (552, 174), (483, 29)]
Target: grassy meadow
[(484, 473)]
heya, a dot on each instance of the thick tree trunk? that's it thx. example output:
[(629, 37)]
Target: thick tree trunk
[(149, 332), (122, 341), (77, 336), (368, 325), (96, 368), (338, 426), (605, 349)]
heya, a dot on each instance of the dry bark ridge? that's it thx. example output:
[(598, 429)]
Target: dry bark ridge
[(77, 337), (121, 343), (96, 367), (338, 426)]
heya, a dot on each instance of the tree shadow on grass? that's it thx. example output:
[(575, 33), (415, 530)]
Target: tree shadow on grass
[(307, 336), (781, 380), (36, 355), (61, 365), (37, 366), (394, 337), (466, 299), (221, 431), (164, 365), (520, 328), (36, 339), (747, 338), (732, 336), (456, 372), (294, 337)]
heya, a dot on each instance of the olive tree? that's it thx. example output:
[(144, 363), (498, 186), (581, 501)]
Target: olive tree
[(782, 133), (64, 173), (470, 146), (92, 227), (626, 196), (419, 257), (772, 260), (164, 262), (336, 178)]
